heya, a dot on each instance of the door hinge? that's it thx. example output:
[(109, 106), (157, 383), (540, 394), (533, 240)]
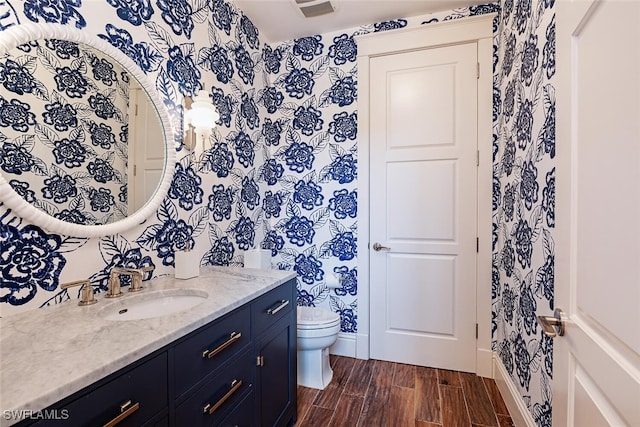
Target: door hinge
[(476, 331), (477, 157), (478, 71), (477, 244), (135, 170), (260, 361)]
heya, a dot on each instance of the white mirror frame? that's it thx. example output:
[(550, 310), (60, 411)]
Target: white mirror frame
[(24, 33)]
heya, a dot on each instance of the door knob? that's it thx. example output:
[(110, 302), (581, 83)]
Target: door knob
[(378, 247), (552, 325)]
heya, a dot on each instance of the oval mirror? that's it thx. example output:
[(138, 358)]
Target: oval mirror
[(83, 138)]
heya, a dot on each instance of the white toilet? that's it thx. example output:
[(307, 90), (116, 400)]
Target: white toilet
[(317, 331)]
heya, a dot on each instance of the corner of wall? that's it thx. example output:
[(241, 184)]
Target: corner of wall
[(345, 345), (519, 412)]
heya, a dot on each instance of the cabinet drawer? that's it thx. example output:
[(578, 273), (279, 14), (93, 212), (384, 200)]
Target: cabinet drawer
[(145, 385), (273, 306), (242, 415), (205, 351), (213, 401), (162, 422)]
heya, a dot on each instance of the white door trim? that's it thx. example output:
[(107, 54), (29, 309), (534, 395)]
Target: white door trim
[(474, 29)]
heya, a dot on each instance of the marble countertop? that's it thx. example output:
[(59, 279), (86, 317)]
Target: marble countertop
[(48, 354)]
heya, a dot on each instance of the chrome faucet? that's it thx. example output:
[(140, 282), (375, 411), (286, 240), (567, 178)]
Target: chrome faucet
[(136, 275)]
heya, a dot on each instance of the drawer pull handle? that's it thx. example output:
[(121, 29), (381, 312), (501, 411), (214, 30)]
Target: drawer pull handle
[(210, 409), (235, 336), (282, 304), (126, 409)]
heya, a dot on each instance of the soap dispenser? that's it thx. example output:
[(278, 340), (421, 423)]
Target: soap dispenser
[(187, 264)]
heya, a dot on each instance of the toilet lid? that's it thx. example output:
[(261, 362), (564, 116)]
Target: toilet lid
[(310, 316)]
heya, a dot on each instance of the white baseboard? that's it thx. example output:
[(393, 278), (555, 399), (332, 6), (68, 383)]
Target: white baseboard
[(345, 345), (357, 345), (362, 346), (517, 409), (484, 363)]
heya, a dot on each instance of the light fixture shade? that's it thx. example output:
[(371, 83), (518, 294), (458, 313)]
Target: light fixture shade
[(202, 114), (199, 119)]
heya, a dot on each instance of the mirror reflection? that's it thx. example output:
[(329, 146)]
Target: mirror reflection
[(78, 137)]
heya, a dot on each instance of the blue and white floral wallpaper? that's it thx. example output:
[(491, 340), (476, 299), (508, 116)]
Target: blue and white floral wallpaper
[(282, 171), (524, 198), (64, 111), (182, 46)]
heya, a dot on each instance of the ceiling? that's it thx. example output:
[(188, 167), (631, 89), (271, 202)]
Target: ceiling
[(280, 20)]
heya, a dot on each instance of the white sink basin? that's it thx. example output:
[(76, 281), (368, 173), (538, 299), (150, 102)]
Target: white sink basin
[(153, 304)]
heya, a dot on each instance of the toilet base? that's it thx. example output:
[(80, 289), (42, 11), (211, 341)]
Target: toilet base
[(314, 369)]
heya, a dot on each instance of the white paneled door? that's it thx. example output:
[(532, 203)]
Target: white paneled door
[(423, 198), (596, 364), (146, 150)]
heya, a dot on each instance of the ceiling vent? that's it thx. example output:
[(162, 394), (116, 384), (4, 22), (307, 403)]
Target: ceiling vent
[(313, 8)]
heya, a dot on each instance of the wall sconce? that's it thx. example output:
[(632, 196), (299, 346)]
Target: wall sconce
[(200, 117)]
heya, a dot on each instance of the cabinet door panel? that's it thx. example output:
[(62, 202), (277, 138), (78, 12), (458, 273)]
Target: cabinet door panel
[(276, 375)]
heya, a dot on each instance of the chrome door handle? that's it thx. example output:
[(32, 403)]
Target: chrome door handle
[(378, 247), (552, 326)]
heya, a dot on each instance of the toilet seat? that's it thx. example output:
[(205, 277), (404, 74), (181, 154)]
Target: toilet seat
[(316, 318)]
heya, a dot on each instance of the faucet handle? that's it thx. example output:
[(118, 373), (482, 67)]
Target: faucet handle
[(113, 285), (86, 291), (146, 269), (136, 280), (137, 276)]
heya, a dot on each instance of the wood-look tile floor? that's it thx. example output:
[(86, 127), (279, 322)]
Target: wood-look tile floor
[(374, 393)]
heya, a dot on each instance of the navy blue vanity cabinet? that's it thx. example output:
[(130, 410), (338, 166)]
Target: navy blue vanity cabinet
[(138, 396), (238, 370), (254, 388), (274, 320)]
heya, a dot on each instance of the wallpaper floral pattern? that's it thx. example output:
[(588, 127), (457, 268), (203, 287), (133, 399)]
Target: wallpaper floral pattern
[(281, 173), (64, 130), (524, 198)]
